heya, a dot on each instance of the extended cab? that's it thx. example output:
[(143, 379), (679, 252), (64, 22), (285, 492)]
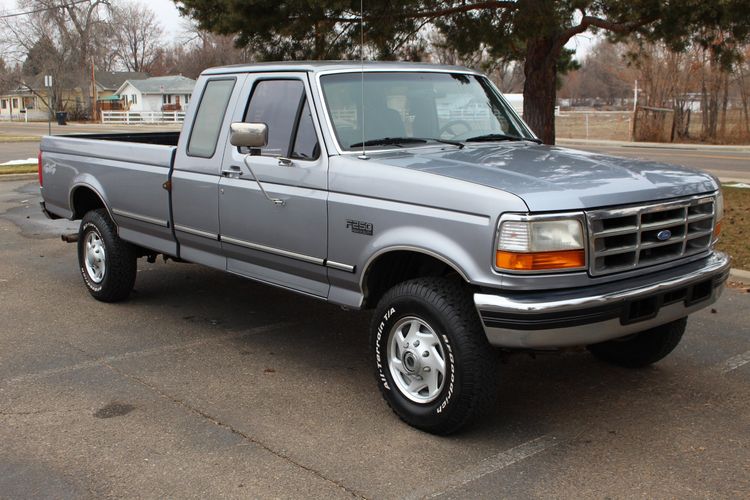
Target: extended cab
[(413, 190)]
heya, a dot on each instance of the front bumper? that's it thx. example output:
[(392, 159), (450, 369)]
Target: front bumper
[(582, 316)]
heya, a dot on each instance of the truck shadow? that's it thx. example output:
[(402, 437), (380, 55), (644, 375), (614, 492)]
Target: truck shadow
[(318, 346)]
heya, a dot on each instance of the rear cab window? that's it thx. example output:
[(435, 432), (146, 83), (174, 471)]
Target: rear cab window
[(209, 117)]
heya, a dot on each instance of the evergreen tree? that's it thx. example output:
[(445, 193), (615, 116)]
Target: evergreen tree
[(533, 32)]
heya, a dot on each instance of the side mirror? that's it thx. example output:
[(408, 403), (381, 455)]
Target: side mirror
[(248, 135)]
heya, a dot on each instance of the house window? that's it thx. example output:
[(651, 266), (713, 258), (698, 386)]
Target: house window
[(4, 104), (187, 98), (134, 98), (166, 99), (15, 102)]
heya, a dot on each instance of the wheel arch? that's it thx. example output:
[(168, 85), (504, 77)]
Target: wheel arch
[(83, 198), (392, 265)]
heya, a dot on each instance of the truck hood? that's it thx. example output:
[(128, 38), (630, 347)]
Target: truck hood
[(552, 178)]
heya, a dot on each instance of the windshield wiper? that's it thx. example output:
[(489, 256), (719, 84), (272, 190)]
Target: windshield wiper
[(501, 137), (446, 141), (398, 141), (388, 141)]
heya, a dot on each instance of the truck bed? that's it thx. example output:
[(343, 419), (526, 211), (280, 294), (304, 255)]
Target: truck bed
[(127, 171)]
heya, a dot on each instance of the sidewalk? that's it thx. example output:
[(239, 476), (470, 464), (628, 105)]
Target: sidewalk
[(656, 145)]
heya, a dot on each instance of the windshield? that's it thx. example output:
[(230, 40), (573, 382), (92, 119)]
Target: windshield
[(424, 107)]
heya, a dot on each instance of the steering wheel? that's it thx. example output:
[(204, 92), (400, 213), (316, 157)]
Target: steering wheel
[(451, 126)]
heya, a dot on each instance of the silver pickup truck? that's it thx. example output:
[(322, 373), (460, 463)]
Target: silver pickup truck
[(413, 190)]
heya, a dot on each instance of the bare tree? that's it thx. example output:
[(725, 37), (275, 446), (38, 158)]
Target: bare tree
[(75, 32), (198, 50), (137, 36)]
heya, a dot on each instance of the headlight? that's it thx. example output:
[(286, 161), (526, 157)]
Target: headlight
[(718, 215), (526, 243)]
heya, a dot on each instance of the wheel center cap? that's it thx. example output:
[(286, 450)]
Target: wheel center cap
[(410, 362)]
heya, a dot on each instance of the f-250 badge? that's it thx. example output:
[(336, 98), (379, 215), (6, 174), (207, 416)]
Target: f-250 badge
[(359, 227)]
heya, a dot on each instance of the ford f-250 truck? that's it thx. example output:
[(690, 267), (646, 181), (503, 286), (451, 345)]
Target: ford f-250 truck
[(413, 190)]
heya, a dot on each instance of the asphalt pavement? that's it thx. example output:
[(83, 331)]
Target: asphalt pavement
[(204, 384)]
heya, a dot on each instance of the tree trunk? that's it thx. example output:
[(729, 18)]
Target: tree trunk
[(540, 88)]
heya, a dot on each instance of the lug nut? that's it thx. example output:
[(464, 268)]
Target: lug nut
[(416, 343), (406, 345), (427, 368), (425, 354)]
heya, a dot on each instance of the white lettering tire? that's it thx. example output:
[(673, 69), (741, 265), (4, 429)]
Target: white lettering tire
[(433, 363)]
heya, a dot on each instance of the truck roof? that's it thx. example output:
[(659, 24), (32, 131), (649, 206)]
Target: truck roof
[(320, 66)]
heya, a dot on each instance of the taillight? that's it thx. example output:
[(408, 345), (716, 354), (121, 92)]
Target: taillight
[(39, 164)]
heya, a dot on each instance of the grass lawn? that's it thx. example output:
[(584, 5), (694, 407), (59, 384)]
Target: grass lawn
[(19, 169), (19, 138), (735, 229)]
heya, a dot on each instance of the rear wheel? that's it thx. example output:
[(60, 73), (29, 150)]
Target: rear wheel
[(434, 365), (107, 263), (641, 349)]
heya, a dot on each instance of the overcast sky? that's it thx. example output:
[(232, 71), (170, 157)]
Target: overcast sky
[(165, 10), (171, 22)]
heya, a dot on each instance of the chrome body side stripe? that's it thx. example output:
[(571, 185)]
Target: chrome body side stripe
[(196, 232), (340, 266), (275, 251), (142, 218)]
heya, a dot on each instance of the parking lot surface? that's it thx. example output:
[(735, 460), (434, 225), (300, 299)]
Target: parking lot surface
[(206, 385)]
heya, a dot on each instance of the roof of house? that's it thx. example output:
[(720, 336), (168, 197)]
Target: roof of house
[(162, 85), (112, 80)]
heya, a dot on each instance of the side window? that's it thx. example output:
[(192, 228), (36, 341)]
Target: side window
[(282, 106), (207, 124)]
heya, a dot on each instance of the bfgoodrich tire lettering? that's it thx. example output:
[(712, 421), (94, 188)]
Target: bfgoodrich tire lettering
[(112, 275), (444, 307)]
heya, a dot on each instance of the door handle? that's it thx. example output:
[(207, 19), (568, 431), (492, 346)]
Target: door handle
[(285, 162), (232, 172)]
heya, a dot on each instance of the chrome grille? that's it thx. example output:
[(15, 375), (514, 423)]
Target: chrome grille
[(626, 238)]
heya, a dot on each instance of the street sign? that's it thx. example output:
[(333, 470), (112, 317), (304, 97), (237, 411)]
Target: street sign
[(48, 84)]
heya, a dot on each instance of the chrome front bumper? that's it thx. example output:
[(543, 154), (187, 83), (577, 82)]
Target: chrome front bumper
[(582, 316)]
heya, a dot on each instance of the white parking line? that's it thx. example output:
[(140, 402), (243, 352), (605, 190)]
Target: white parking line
[(735, 362), (493, 464)]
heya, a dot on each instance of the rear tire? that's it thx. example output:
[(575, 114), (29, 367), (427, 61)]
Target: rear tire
[(107, 263), (641, 349), (434, 366)]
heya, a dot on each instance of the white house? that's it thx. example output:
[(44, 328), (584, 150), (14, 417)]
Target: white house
[(159, 93)]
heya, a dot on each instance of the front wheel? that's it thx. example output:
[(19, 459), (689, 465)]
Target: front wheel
[(434, 366), (641, 349), (107, 263)]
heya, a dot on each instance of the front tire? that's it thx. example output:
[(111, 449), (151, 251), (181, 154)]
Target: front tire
[(641, 349), (107, 263), (434, 366)]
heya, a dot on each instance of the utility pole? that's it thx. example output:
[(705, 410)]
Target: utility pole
[(635, 112), (93, 94)]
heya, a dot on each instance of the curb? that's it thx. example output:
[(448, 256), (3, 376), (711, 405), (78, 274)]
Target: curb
[(740, 275)]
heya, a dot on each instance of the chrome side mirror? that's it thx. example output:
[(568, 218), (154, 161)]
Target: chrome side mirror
[(248, 135)]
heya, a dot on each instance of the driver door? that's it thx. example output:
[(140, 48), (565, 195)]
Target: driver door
[(279, 243)]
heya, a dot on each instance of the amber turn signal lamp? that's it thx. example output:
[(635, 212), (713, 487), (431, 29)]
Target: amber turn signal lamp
[(717, 229), (539, 261)]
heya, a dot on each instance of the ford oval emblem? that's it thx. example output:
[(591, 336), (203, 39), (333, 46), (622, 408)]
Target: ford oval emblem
[(664, 235)]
